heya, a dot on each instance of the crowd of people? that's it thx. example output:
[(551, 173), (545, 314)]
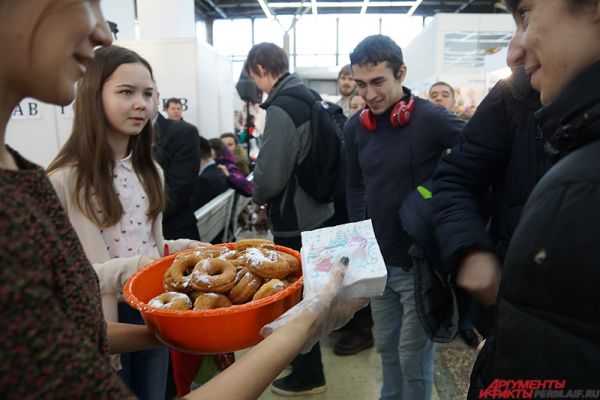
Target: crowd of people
[(510, 217)]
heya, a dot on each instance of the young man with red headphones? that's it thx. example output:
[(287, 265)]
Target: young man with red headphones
[(392, 146)]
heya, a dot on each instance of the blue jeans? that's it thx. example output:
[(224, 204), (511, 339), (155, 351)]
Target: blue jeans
[(406, 352), (144, 372)]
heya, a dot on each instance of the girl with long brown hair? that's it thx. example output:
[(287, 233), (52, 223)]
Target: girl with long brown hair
[(113, 193), (54, 340)]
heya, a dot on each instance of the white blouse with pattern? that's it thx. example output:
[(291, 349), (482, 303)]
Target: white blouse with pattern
[(132, 236)]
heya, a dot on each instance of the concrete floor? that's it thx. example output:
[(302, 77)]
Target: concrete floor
[(358, 377)]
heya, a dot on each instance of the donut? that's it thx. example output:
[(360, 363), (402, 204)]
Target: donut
[(269, 288), (208, 301), (172, 301), (262, 243), (292, 278), (229, 255), (194, 294), (293, 261), (266, 263), (247, 284), (217, 252), (213, 275), (178, 276)]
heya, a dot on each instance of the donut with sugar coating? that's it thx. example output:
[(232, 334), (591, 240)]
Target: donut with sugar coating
[(270, 288), (261, 243), (209, 301), (266, 263), (213, 275), (178, 276), (171, 301), (247, 284)]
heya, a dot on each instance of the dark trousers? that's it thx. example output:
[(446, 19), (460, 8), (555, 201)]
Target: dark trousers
[(305, 367), (361, 323)]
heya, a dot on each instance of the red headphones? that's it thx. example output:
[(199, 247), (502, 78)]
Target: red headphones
[(400, 116)]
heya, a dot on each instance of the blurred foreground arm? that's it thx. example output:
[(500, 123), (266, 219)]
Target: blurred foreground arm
[(124, 338)]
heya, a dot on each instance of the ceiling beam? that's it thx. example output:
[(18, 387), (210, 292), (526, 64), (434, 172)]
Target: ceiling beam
[(313, 5), (363, 9), (343, 4), (461, 8), (265, 7), (216, 8), (413, 8), (252, 8)]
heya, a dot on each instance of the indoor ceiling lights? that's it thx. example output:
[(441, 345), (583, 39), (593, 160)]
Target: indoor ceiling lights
[(413, 4)]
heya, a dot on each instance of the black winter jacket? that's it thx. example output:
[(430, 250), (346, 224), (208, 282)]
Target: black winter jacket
[(176, 150), (548, 324), (500, 153)]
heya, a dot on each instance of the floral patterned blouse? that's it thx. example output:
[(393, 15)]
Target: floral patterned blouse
[(132, 235)]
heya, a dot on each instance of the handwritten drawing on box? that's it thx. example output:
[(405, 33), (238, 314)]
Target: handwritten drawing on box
[(321, 248)]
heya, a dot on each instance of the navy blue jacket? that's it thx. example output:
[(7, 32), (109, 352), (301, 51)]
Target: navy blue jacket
[(500, 148), (386, 165)]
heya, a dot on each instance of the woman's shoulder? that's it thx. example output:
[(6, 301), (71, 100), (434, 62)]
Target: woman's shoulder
[(65, 174)]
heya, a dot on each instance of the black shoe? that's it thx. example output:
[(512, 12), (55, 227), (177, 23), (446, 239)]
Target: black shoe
[(469, 337), (290, 386), (353, 343)]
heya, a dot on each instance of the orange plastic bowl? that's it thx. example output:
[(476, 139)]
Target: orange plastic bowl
[(221, 330)]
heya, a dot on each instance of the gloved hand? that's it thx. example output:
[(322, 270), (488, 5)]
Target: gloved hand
[(329, 309)]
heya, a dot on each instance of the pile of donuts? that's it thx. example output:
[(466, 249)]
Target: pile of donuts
[(217, 276)]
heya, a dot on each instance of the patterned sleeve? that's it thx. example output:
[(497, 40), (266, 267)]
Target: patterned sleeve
[(52, 334)]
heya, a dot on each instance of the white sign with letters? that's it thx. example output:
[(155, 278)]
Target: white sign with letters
[(27, 109), (65, 111)]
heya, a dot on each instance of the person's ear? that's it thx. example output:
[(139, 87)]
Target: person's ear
[(401, 75), (262, 72)]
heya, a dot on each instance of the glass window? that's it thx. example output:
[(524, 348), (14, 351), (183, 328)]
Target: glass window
[(315, 60), (401, 29), (353, 29), (232, 37), (469, 48), (269, 30), (316, 35)]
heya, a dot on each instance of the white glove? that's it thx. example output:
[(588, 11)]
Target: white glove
[(330, 310)]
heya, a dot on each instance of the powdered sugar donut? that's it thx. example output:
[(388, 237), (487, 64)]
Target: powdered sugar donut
[(247, 284), (293, 261), (222, 252), (266, 263), (178, 276), (213, 275), (261, 243), (171, 301), (209, 301), (270, 288)]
